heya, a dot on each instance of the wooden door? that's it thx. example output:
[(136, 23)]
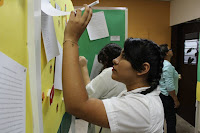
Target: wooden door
[(187, 85)]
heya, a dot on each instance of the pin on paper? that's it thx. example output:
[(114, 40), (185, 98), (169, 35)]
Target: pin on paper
[(57, 108), (58, 23), (57, 6), (51, 95), (50, 68), (65, 7), (43, 97)]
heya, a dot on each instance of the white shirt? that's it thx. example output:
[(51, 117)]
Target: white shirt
[(103, 86), (132, 112)]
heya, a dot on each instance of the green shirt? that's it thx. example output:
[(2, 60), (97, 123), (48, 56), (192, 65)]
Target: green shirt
[(169, 79)]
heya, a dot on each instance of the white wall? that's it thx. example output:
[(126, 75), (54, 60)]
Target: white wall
[(183, 11)]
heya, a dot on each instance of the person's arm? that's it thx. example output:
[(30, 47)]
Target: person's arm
[(97, 86), (74, 92), (174, 97), (169, 82), (84, 69)]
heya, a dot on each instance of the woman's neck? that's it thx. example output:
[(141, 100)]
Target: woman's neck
[(168, 58), (136, 85)]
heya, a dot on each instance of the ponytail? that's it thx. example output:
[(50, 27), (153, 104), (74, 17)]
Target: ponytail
[(154, 77)]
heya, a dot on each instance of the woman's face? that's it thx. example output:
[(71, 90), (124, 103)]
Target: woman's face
[(170, 52), (122, 70)]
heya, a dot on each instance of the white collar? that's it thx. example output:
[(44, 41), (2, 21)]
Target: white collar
[(138, 90)]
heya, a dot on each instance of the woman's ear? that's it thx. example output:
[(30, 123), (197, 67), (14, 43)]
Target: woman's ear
[(146, 69), (167, 53)]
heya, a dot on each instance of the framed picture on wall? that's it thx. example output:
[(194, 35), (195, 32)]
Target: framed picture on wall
[(190, 51)]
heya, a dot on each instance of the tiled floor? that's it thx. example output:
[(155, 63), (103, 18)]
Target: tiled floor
[(182, 126)]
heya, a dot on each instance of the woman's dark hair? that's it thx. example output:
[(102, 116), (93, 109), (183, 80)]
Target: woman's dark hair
[(164, 49), (137, 52), (108, 53)]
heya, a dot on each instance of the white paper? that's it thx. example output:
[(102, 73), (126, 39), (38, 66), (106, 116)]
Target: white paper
[(58, 70), (96, 68), (12, 96), (114, 38), (49, 37), (191, 43), (58, 7), (47, 8), (97, 28), (190, 51), (190, 60)]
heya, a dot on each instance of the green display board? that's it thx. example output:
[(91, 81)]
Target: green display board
[(198, 75), (116, 19)]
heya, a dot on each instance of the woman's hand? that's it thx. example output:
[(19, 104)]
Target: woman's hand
[(179, 76), (82, 61), (77, 24), (176, 104)]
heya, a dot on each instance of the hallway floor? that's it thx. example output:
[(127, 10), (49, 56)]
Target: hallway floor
[(182, 126)]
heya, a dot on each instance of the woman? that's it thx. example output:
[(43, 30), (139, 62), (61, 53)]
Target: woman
[(139, 67), (169, 89), (102, 86), (108, 53)]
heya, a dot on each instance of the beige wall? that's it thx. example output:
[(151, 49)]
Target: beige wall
[(146, 18), (183, 11)]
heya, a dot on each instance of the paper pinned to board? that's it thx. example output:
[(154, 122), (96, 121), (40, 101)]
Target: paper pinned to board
[(47, 8), (12, 95), (58, 69), (96, 68), (191, 43), (57, 7), (97, 28), (114, 38), (49, 37), (190, 51)]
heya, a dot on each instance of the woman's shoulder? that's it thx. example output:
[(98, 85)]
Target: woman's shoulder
[(136, 105), (106, 72), (166, 63), (168, 66), (109, 69)]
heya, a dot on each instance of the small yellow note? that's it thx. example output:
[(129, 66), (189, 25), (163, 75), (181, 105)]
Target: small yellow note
[(1, 2)]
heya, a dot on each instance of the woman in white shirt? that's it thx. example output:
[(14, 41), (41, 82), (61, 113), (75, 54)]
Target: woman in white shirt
[(102, 86), (139, 66)]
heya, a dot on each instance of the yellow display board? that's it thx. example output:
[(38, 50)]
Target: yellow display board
[(13, 42), (52, 114)]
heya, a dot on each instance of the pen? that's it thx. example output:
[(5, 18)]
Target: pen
[(90, 5)]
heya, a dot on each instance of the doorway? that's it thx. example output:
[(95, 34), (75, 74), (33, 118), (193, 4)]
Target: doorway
[(187, 85)]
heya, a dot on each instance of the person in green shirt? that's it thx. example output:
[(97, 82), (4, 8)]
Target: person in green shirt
[(169, 89)]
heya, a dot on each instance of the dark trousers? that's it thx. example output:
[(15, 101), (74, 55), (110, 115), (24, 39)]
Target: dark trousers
[(170, 113)]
